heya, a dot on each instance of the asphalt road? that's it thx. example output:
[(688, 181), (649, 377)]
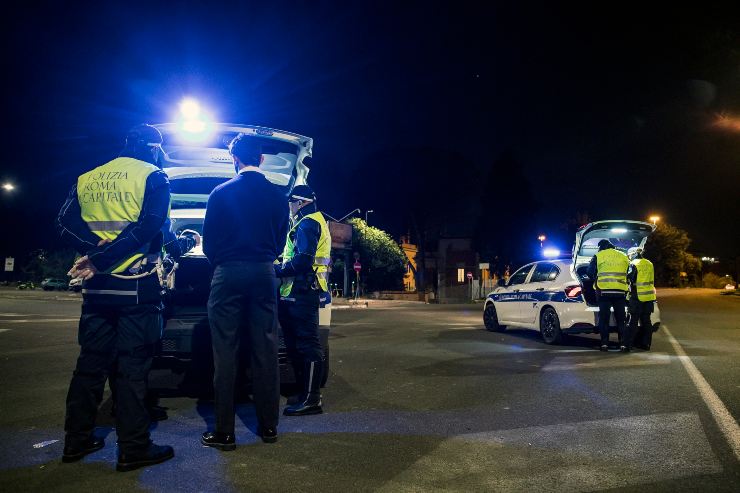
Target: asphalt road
[(420, 398)]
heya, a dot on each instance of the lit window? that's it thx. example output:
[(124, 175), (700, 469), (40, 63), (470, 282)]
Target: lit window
[(460, 275)]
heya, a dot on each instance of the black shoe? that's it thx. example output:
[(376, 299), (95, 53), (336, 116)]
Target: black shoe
[(311, 405), (604, 348), (624, 349), (221, 441), (268, 435), (152, 455), (73, 454), (157, 413)]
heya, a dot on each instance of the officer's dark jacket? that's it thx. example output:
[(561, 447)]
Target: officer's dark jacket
[(306, 239), (246, 220)]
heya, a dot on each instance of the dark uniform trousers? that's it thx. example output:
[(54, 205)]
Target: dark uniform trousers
[(107, 332), (299, 319), (619, 303), (640, 312), (242, 309)]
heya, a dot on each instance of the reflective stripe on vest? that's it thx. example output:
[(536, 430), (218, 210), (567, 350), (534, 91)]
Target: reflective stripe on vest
[(111, 197), (611, 266), (322, 257), (645, 283)]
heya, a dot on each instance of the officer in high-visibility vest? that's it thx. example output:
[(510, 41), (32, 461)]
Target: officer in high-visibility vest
[(304, 278), (641, 277), (113, 217), (609, 269)]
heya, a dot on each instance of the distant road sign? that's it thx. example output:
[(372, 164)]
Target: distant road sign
[(470, 275), (358, 266), (9, 264)]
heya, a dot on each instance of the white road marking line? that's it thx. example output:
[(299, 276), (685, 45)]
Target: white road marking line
[(44, 444), (40, 320), (722, 416), (4, 330)]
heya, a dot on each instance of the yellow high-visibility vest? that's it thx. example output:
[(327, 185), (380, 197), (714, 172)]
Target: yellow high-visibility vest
[(111, 197), (321, 259), (645, 283), (612, 268)]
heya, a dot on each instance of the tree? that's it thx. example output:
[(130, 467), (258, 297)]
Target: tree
[(42, 264), (667, 249), (383, 261)]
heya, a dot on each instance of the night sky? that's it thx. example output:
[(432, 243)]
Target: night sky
[(450, 111)]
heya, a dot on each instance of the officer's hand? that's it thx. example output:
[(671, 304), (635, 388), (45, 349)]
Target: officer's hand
[(83, 268), (198, 239), (103, 241)]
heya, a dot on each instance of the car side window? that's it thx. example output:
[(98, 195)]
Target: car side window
[(544, 272), (520, 276)]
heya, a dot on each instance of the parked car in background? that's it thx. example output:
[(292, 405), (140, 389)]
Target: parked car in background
[(52, 283), (75, 285)]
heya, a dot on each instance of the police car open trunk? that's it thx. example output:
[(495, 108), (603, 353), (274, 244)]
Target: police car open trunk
[(622, 234)]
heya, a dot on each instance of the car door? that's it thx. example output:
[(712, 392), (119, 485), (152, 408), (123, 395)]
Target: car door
[(508, 298), (537, 290)]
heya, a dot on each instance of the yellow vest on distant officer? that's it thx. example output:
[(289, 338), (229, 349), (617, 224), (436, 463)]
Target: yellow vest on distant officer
[(111, 197), (645, 283), (321, 259), (611, 265)]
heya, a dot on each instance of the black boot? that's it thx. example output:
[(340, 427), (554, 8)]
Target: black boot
[(153, 454), (310, 402), (73, 454)]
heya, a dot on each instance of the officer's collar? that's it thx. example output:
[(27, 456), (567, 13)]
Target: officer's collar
[(250, 168)]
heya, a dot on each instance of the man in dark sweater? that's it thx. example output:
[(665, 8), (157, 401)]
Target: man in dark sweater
[(245, 226)]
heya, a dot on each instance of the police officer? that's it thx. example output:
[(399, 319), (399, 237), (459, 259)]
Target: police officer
[(113, 217), (303, 275), (609, 268), (641, 277), (244, 229)]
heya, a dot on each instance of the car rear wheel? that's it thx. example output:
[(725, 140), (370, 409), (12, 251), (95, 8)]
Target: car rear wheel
[(490, 319), (550, 326)]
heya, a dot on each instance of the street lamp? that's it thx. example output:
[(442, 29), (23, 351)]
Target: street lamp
[(366, 213), (8, 187), (655, 219), (542, 238)]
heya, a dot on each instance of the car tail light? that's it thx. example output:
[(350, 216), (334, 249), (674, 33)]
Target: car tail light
[(573, 291)]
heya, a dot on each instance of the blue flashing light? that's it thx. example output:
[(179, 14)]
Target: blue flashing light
[(194, 124), (189, 109), (551, 252)]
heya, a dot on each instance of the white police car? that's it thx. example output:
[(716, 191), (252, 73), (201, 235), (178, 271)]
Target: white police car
[(556, 296)]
